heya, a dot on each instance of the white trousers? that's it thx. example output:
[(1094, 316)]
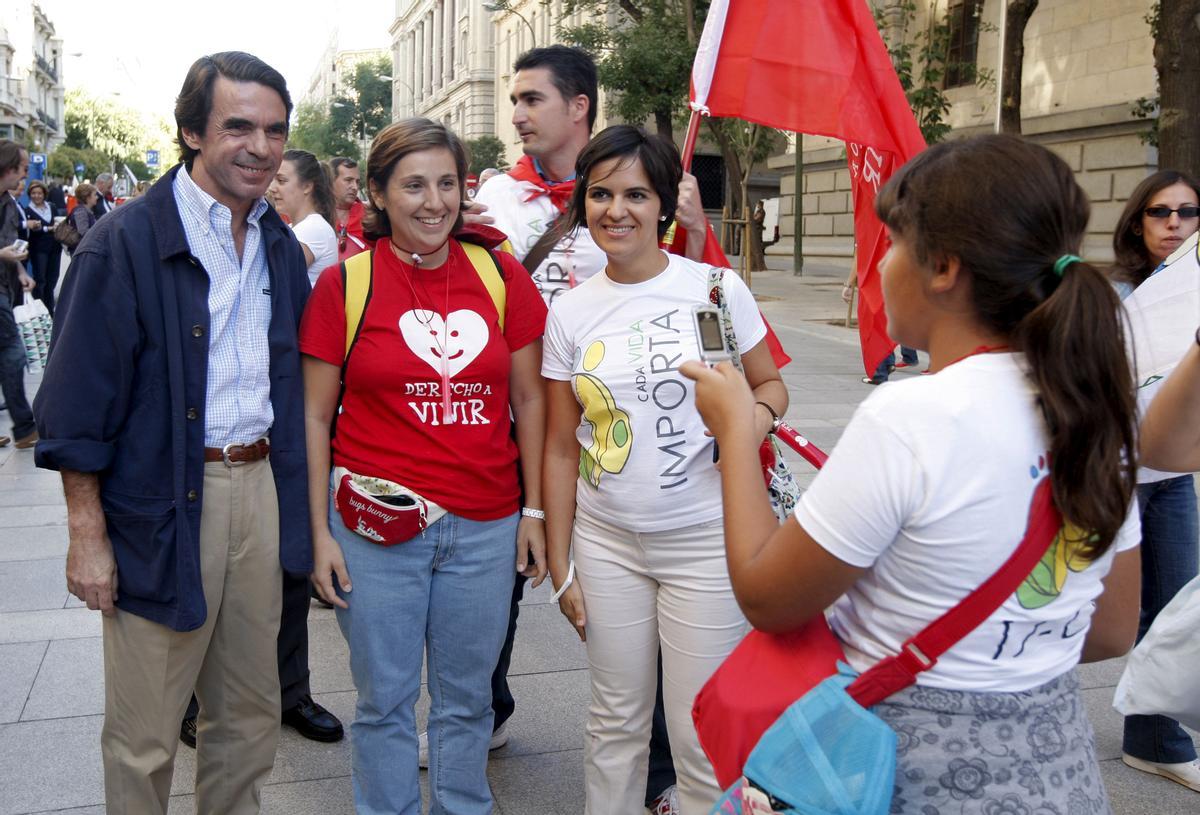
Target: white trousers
[(643, 591)]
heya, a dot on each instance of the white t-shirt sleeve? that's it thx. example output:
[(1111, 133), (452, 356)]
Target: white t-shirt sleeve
[(316, 233), (557, 346), (863, 495), (748, 323)]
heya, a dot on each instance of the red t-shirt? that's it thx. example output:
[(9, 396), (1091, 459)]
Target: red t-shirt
[(391, 425)]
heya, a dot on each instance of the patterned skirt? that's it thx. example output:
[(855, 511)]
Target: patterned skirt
[(1027, 753)]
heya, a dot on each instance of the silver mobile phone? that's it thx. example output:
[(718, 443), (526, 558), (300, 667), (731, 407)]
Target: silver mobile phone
[(19, 245), (710, 332)]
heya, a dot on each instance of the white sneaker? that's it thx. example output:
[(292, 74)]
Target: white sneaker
[(499, 739), (667, 802), (1187, 773)]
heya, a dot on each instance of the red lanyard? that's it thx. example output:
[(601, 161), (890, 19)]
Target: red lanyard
[(983, 349)]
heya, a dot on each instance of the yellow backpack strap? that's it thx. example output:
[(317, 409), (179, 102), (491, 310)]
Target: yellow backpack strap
[(488, 269), (356, 283)]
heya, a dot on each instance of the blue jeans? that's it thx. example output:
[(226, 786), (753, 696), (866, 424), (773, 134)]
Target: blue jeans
[(909, 355), (446, 592), (12, 369), (1170, 535)]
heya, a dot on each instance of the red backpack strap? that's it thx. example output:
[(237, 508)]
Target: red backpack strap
[(921, 652)]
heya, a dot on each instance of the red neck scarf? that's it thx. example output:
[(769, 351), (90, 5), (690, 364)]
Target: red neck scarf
[(560, 193)]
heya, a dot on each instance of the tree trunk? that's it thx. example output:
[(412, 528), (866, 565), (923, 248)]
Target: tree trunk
[(1175, 50), (1019, 12), (753, 245), (733, 174), (662, 122)]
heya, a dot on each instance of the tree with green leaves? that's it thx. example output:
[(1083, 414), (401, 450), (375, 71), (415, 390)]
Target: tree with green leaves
[(113, 130), (486, 151), (314, 130)]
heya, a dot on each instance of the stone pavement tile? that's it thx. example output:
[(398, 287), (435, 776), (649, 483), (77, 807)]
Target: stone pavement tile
[(50, 764), (20, 497), (30, 585), (70, 682), (328, 796), (545, 642), (1132, 792), (32, 626), (1104, 674), (550, 713), (328, 655), (546, 784), (32, 516), (1106, 722), (18, 461), (19, 663), (92, 810), (35, 480), (33, 543)]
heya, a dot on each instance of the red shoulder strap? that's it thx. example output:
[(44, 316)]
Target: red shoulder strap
[(921, 652)]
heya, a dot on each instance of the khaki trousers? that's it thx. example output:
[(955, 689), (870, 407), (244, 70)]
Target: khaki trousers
[(150, 670)]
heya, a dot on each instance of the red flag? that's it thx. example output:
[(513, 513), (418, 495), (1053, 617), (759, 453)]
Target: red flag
[(820, 67), (715, 256)]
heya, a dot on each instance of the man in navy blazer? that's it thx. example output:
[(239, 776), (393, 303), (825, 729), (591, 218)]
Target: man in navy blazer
[(173, 405)]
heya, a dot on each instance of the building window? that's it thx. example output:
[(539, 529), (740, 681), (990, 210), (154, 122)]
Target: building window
[(962, 18)]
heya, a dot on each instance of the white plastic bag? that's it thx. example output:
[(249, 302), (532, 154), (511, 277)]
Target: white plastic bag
[(1160, 676), (35, 325)]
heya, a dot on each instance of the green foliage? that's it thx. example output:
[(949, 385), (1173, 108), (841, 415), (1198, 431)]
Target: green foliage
[(103, 125), (373, 95), (751, 141), (644, 61), (1146, 107), (486, 151), (316, 130), (922, 63), (62, 161)]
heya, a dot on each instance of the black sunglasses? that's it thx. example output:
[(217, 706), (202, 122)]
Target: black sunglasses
[(1165, 212)]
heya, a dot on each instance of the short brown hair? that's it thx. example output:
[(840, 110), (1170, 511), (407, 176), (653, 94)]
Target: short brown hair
[(392, 144), (36, 184), (1132, 260), (10, 154), (83, 192)]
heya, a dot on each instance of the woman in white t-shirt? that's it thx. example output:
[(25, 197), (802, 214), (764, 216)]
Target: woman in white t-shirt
[(929, 489), (629, 481), (302, 193)]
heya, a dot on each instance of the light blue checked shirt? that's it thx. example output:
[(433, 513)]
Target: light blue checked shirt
[(238, 390)]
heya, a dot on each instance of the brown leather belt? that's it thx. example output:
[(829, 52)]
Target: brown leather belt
[(235, 455)]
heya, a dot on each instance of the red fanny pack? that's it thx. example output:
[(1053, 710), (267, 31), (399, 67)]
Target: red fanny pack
[(381, 511)]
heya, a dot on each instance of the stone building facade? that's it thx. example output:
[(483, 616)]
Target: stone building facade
[(31, 78), (1086, 62)]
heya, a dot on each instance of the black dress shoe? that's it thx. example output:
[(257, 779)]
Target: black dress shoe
[(187, 731), (313, 721)]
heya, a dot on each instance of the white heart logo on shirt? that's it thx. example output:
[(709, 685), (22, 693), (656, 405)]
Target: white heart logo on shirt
[(427, 334)]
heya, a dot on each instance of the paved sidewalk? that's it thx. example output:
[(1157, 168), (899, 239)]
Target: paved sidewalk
[(51, 693)]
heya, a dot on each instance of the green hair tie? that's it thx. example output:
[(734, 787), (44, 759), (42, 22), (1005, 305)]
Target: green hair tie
[(1063, 262)]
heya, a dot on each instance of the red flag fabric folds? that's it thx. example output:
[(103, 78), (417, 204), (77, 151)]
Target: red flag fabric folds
[(820, 67)]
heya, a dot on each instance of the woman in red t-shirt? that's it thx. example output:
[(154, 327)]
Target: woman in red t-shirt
[(423, 438)]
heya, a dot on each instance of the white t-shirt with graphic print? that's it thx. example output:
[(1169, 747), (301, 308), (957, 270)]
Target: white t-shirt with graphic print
[(929, 489), (645, 463), (575, 257)]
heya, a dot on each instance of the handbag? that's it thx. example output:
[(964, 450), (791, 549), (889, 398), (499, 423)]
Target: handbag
[(1160, 674), (782, 488), (66, 234), (35, 326), (782, 711), (379, 510)]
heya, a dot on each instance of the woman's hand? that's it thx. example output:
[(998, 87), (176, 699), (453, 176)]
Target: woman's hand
[(723, 398), (328, 562), (571, 605), (531, 549)]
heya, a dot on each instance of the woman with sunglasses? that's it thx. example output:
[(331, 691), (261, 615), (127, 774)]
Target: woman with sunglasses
[(1162, 213)]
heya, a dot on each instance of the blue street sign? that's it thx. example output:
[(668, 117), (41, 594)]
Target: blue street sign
[(37, 158), (80, 168), (151, 158), (37, 166)]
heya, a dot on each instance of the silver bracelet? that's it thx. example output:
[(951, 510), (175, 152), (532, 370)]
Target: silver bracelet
[(566, 583), (530, 512)]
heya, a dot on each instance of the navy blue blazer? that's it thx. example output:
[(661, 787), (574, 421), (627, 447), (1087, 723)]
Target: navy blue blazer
[(123, 396)]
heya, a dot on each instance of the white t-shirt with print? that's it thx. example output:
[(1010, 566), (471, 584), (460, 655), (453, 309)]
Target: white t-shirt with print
[(316, 233), (575, 256), (929, 488), (645, 463)]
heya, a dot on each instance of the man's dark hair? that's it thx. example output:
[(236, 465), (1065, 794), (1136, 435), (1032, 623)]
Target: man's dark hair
[(336, 165), (10, 154), (194, 103), (572, 70)]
